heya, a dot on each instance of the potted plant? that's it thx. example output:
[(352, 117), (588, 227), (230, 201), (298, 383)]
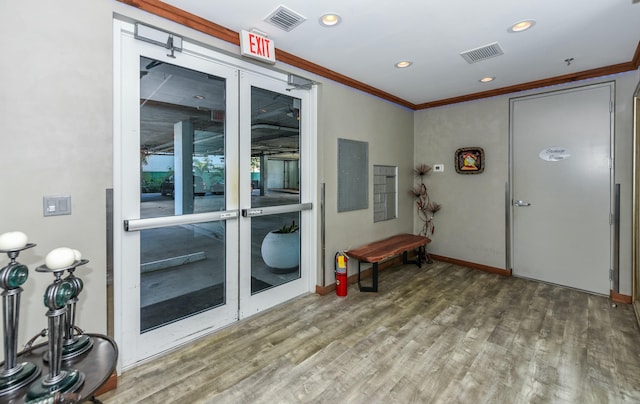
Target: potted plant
[(281, 248)]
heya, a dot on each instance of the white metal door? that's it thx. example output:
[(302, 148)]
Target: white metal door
[(176, 252), (275, 192), (193, 148), (561, 187)]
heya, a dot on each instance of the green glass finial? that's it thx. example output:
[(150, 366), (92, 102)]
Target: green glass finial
[(58, 294), (13, 276)]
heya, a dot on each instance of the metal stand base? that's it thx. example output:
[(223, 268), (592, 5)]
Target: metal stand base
[(25, 374), (70, 382), (82, 344), (97, 365)]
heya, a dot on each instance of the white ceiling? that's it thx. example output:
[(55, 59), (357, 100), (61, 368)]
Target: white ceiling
[(376, 34)]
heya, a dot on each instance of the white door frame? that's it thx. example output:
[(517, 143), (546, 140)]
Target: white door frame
[(123, 300)]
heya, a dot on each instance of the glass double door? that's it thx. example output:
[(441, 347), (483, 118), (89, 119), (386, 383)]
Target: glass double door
[(214, 215)]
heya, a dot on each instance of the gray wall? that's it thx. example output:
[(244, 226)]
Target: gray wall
[(388, 128), (471, 224), (56, 130)]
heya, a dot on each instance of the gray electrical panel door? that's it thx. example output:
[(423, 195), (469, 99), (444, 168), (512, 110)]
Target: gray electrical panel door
[(353, 179)]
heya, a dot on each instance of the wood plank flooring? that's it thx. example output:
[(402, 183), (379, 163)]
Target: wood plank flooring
[(439, 334)]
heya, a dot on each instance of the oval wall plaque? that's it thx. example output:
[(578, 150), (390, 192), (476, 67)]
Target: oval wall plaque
[(554, 153)]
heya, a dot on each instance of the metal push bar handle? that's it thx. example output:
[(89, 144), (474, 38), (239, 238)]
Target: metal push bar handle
[(274, 210), (155, 222)]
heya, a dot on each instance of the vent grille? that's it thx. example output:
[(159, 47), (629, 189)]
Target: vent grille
[(285, 19), (482, 53)]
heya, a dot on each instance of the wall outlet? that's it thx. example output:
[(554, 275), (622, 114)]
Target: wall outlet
[(438, 168)]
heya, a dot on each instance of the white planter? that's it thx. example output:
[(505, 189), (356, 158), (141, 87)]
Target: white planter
[(281, 251)]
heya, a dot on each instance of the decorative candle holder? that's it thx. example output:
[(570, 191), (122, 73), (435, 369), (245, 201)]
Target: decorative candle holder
[(74, 344), (56, 298), (13, 375)]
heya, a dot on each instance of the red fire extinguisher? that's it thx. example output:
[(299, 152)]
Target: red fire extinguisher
[(341, 273)]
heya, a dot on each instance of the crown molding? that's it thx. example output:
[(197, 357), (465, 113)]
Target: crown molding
[(567, 78), (218, 31)]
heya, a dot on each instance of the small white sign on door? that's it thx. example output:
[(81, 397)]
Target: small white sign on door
[(554, 153)]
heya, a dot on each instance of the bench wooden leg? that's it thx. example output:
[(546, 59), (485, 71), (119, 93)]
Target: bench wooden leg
[(374, 276)]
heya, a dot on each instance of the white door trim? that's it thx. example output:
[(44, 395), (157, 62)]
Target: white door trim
[(122, 300)]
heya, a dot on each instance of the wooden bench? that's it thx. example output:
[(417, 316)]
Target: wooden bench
[(380, 250)]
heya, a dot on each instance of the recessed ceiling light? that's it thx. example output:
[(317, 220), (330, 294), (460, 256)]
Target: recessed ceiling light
[(199, 97), (330, 20), (521, 26), (403, 64), (486, 79)]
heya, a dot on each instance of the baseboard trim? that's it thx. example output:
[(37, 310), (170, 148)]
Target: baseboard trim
[(110, 384), (325, 290), (398, 260), (620, 298), (472, 265)]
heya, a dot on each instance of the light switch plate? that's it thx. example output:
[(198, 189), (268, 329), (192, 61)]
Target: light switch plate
[(438, 168), (56, 205)]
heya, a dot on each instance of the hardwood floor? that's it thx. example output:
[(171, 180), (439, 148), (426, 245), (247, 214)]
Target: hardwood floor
[(440, 334)]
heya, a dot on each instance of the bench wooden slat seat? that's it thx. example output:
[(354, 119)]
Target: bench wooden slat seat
[(378, 251)]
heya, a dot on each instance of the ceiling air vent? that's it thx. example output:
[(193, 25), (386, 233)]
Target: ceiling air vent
[(285, 19), (482, 53)]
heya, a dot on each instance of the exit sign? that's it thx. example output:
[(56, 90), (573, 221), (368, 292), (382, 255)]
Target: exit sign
[(257, 46)]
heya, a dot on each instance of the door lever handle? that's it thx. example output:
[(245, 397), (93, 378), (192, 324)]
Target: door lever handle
[(521, 203)]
